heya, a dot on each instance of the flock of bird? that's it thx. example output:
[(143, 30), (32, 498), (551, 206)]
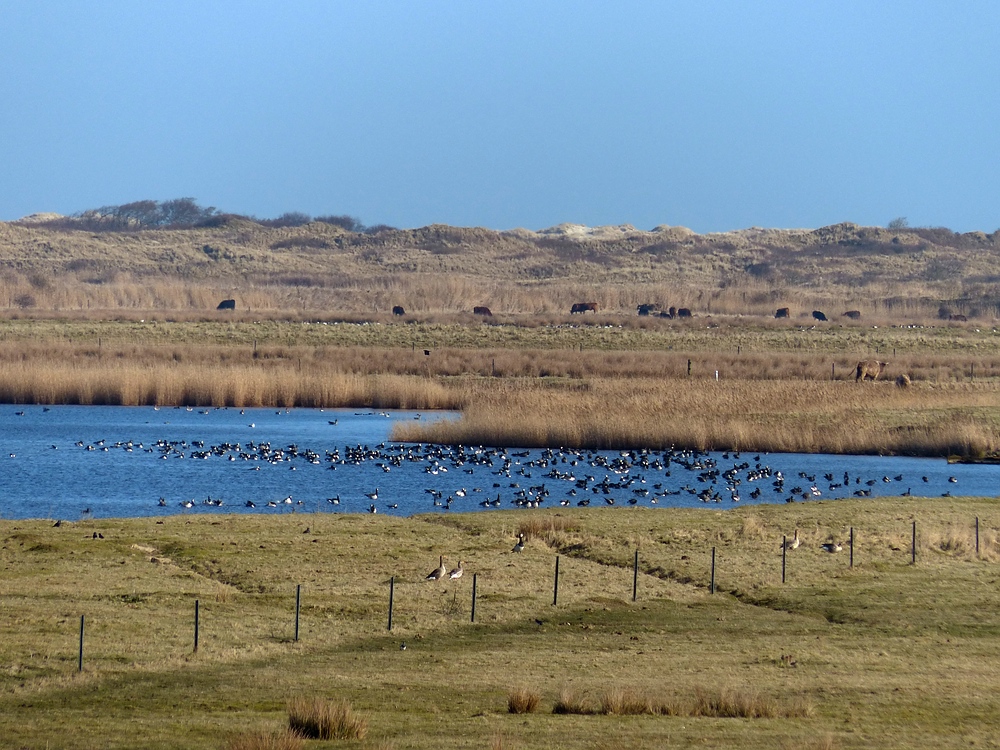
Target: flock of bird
[(473, 477)]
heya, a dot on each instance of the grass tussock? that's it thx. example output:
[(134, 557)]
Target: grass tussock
[(318, 718), (522, 700), (545, 527), (572, 702), (744, 703), (265, 740)]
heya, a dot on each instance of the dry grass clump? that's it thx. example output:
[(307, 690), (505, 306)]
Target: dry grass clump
[(265, 740), (318, 718), (522, 700), (725, 703), (571, 702), (544, 527), (730, 703)]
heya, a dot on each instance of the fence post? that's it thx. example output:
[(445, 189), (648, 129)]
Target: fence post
[(784, 555), (977, 535), (555, 584), (913, 546), (80, 663), (196, 625), (852, 546), (475, 577), (298, 600), (635, 576), (392, 590), (711, 589)]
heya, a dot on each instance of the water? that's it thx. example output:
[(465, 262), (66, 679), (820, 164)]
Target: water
[(74, 461)]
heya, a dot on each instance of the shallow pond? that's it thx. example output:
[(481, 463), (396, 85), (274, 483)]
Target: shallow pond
[(73, 461)]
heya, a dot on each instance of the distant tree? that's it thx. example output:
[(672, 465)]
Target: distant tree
[(145, 214), (898, 223), (376, 228), (350, 223)]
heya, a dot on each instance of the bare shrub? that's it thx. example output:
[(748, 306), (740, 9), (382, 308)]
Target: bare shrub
[(265, 740), (522, 700), (318, 718)]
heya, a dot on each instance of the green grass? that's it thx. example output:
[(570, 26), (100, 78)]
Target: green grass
[(886, 654)]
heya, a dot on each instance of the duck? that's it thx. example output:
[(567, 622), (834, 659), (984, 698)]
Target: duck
[(519, 547), (438, 572), (833, 546), (457, 572), (794, 542)]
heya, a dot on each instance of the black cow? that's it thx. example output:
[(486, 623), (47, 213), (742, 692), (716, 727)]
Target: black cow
[(482, 310), (398, 310), (683, 312), (782, 312), (818, 315), (227, 304), (582, 307), (647, 309)]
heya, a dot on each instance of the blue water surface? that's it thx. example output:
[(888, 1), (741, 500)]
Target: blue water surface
[(76, 461)]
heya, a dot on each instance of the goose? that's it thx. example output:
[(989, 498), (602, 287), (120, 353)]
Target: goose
[(794, 542), (372, 495), (519, 547), (438, 572), (457, 572), (833, 547)]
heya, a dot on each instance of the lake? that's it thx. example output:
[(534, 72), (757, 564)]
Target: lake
[(68, 462)]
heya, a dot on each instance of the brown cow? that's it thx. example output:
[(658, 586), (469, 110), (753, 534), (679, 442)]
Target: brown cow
[(852, 314), (482, 310), (958, 317), (582, 307), (397, 310), (782, 312), (869, 369)]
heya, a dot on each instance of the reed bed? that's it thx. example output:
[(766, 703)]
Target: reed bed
[(777, 416)]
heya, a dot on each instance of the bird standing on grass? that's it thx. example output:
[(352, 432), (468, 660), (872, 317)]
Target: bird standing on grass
[(438, 572), (457, 572), (519, 547), (794, 542)]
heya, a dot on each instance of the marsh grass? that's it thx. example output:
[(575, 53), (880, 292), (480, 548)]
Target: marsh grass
[(322, 719), (522, 700), (263, 739)]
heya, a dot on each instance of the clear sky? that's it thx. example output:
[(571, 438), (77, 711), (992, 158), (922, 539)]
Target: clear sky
[(711, 115)]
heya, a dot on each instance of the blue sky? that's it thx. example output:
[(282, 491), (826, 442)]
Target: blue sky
[(711, 115)]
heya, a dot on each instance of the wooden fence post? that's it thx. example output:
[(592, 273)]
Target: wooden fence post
[(392, 590)]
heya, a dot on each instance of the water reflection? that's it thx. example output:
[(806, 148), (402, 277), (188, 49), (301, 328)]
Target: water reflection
[(68, 461)]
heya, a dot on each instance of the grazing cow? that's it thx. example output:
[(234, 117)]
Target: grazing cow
[(398, 310), (683, 312), (227, 304), (852, 314), (582, 307), (782, 312), (647, 309), (482, 310), (818, 315), (868, 369), (958, 317)]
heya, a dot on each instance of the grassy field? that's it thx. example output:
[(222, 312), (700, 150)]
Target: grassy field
[(885, 654)]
